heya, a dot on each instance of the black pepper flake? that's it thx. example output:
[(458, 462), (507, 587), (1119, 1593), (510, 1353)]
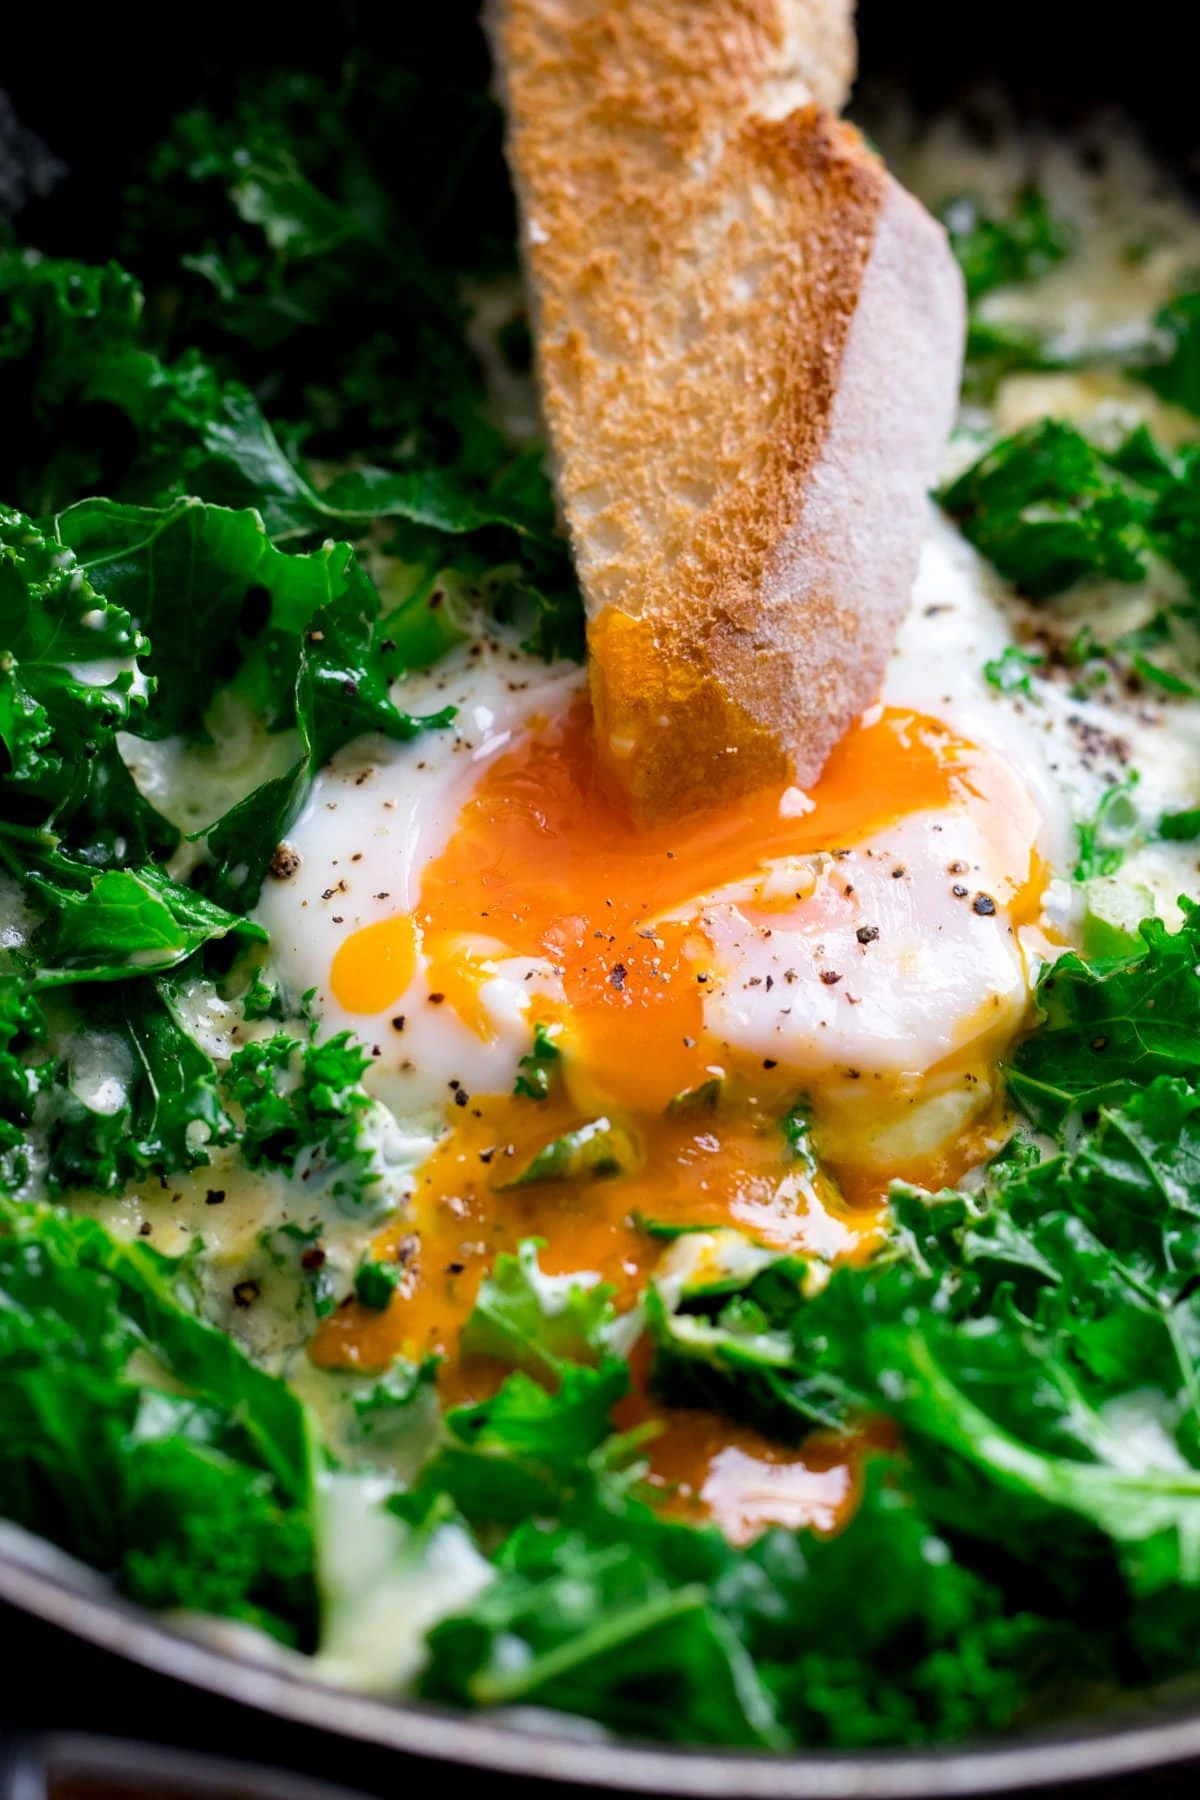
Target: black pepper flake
[(214, 1196), (398, 1022), (959, 891), (313, 1259), (245, 1293), (830, 978), (461, 1097), (984, 905), (898, 873), (1099, 1043), (769, 1062), (455, 1268), (284, 863), (436, 999), (485, 1156), (145, 1228), (866, 934), (617, 977)]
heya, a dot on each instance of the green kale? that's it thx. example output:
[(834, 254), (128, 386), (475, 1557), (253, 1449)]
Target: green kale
[(374, 1285), (541, 1065), (320, 230), (1110, 832), (1047, 509), (997, 250), (142, 1440), (537, 1322), (522, 1452), (719, 1314), (22, 1035), (798, 1135), (60, 699), (1010, 672), (123, 924), (1112, 1024), (1172, 368), (1180, 827), (159, 1109), (304, 1108), (594, 1151), (666, 1630)]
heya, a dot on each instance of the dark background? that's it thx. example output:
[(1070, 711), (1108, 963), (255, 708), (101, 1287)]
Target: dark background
[(96, 83)]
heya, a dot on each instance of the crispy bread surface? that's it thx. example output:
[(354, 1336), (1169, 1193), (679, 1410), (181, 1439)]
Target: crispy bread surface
[(749, 341)]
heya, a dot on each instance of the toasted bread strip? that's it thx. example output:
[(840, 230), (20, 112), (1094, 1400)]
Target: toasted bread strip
[(749, 343)]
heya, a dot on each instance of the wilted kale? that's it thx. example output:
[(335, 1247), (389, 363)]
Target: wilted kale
[(997, 249), (279, 374), (1172, 366), (141, 1439), (305, 1103), (1046, 508)]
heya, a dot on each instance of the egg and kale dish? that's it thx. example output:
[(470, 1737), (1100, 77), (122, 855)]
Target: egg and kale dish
[(735, 1281)]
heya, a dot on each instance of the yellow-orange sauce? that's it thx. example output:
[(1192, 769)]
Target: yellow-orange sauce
[(544, 863)]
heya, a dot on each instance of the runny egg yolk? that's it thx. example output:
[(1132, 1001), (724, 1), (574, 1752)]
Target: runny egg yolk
[(545, 865)]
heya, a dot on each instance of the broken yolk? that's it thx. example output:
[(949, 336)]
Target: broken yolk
[(374, 966), (544, 864)]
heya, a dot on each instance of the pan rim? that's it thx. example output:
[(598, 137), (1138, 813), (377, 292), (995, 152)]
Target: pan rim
[(1066, 1755)]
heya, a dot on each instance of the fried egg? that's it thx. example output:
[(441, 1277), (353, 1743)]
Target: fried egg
[(869, 944)]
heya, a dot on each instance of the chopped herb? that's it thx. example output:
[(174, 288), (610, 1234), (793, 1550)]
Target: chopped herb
[(1009, 673), (541, 1065), (374, 1285), (1180, 827)]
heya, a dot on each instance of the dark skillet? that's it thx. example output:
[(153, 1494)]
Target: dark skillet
[(88, 82)]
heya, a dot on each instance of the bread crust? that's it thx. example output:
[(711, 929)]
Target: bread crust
[(748, 346)]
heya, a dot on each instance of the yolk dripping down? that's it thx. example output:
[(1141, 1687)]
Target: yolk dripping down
[(544, 864)]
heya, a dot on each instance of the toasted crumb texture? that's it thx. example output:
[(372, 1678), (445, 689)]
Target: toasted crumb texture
[(748, 344)]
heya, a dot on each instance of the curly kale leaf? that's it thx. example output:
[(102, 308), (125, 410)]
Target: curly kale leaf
[(661, 1629), (141, 1439), (537, 1322), (1172, 367), (61, 699), (1047, 509), (304, 1107), (996, 250), (1113, 1024), (158, 1109)]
